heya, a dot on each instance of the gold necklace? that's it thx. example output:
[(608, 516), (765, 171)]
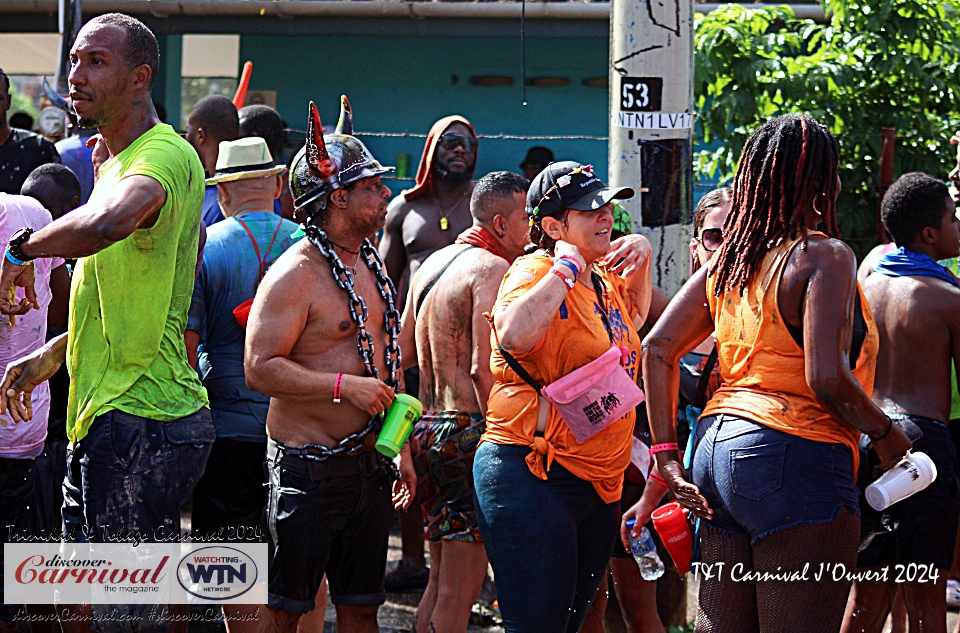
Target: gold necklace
[(444, 223)]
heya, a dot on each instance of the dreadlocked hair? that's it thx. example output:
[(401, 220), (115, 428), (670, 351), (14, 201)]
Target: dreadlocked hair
[(787, 166)]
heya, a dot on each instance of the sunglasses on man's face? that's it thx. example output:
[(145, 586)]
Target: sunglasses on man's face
[(711, 239), (450, 142)]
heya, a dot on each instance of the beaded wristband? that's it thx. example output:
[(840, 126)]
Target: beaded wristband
[(336, 388), (570, 263), (657, 477), (668, 446), (570, 284)]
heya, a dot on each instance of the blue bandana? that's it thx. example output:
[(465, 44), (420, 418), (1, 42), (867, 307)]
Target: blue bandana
[(902, 263)]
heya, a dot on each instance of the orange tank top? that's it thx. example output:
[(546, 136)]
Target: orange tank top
[(763, 367)]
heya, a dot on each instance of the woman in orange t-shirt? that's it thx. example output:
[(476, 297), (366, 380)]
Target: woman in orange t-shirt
[(776, 446), (547, 504)]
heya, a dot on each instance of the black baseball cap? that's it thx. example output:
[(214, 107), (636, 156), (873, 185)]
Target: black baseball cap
[(570, 185)]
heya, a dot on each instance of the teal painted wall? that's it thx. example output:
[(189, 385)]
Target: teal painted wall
[(168, 85), (403, 84)]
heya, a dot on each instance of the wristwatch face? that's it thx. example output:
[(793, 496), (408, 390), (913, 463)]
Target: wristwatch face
[(20, 236)]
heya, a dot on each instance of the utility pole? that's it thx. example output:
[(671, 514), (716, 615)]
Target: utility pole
[(651, 126)]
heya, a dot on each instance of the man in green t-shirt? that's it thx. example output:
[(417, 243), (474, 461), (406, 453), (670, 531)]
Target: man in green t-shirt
[(138, 420)]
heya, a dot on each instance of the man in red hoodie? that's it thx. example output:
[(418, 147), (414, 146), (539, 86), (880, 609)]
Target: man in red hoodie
[(436, 210), (421, 221)]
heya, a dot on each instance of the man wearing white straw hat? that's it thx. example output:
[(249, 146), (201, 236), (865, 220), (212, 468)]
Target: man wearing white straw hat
[(230, 496)]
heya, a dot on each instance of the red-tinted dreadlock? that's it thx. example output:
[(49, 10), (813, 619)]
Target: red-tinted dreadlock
[(786, 165)]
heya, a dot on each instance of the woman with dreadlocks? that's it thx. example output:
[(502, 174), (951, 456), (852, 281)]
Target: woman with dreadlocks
[(776, 446)]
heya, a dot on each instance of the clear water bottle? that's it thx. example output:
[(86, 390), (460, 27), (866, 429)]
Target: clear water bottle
[(644, 551)]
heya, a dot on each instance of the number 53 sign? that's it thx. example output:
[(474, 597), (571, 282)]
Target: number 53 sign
[(640, 94)]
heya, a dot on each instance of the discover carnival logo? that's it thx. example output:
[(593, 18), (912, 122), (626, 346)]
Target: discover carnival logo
[(217, 572), (154, 573), (57, 570)]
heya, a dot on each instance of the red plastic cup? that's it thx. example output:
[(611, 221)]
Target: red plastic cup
[(670, 522)]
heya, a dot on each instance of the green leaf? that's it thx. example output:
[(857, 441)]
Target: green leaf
[(877, 63)]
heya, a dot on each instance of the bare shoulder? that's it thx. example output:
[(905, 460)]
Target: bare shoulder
[(487, 259), (292, 271), (875, 287), (824, 255), (488, 270), (831, 251), (947, 299), (397, 211)]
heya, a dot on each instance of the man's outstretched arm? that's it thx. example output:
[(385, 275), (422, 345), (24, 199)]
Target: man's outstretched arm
[(134, 202)]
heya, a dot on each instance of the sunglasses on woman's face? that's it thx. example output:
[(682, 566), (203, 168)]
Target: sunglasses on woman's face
[(450, 142), (711, 239)]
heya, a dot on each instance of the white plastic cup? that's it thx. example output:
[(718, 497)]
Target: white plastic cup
[(915, 472)]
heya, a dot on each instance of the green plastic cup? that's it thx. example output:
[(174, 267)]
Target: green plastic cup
[(403, 414)]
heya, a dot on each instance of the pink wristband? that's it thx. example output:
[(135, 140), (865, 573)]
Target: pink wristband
[(657, 477), (668, 446), (336, 388)]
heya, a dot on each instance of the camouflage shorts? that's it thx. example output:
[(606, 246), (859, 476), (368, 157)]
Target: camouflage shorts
[(443, 444)]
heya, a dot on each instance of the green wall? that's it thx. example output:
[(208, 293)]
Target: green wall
[(399, 84)]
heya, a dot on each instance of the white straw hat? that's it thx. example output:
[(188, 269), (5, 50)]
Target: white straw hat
[(244, 158)]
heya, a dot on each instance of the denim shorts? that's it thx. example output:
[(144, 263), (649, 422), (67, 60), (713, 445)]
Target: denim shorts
[(125, 482), (330, 517), (759, 480)]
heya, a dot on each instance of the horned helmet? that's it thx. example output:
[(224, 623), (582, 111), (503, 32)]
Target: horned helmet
[(328, 162)]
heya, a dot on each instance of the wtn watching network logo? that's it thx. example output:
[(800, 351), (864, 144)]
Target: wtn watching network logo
[(217, 573)]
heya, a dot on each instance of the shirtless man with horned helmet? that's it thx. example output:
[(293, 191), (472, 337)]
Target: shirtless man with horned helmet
[(322, 343)]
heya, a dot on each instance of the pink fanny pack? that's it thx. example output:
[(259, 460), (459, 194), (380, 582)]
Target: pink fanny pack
[(593, 397)]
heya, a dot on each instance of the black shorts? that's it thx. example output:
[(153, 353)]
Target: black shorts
[(19, 514), (928, 520), (51, 468), (332, 518), (229, 499)]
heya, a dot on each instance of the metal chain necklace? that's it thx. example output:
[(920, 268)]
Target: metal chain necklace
[(358, 307), (358, 312)]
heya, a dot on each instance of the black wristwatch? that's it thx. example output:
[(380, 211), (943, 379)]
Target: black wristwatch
[(13, 247)]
